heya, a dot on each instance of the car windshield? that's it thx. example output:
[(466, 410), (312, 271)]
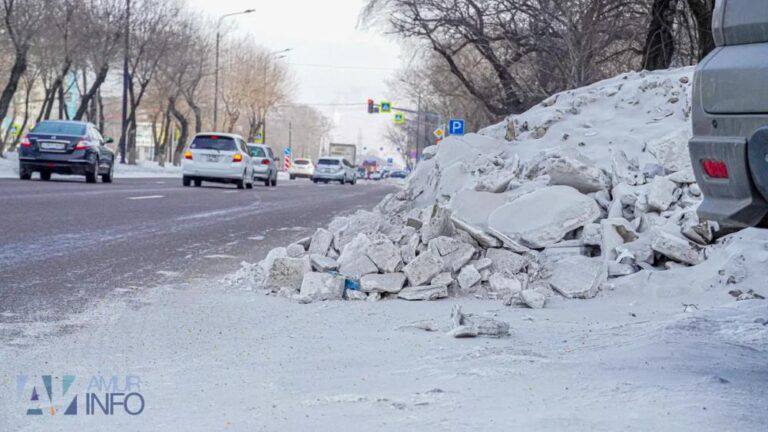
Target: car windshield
[(60, 128), (213, 143), (329, 162), (257, 152)]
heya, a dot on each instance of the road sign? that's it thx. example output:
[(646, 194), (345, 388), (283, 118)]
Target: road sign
[(456, 127), (259, 138), (386, 107), (390, 162), (399, 118), (287, 159), (439, 133)]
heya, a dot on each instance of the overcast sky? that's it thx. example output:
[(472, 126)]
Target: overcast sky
[(332, 60)]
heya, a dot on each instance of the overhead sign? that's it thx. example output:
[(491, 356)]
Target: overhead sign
[(439, 133), (456, 127), (399, 118), (386, 107)]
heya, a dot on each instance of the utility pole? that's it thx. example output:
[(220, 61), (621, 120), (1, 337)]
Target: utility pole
[(216, 73), (290, 136), (279, 54), (126, 48), (216, 85)]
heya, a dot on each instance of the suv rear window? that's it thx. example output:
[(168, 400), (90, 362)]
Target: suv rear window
[(213, 143), (330, 162), (257, 152), (60, 128)]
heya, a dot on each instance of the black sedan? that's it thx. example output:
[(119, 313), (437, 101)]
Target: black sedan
[(66, 147)]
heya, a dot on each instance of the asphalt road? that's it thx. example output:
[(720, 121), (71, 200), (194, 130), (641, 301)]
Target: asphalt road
[(65, 244)]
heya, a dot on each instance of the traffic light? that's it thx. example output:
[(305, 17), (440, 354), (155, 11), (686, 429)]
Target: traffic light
[(371, 106)]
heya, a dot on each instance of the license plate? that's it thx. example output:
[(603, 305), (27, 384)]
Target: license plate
[(52, 146), (212, 158)]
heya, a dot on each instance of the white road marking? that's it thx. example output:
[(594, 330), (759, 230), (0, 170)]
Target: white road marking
[(146, 197)]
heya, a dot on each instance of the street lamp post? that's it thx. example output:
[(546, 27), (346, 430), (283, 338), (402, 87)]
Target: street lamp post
[(216, 78), (279, 54)]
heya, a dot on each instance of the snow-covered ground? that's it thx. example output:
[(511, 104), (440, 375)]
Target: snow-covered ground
[(9, 168), (673, 335), (215, 358)]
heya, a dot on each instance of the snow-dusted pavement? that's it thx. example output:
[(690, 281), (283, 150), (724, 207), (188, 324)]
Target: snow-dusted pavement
[(214, 358)]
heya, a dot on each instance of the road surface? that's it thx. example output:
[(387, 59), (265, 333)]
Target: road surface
[(66, 244)]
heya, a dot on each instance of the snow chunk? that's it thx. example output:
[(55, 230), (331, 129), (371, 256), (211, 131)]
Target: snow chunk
[(543, 217), (382, 283), (426, 293), (422, 269), (322, 286), (287, 273), (578, 277)]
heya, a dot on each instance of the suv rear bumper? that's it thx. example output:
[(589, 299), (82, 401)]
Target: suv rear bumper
[(733, 202)]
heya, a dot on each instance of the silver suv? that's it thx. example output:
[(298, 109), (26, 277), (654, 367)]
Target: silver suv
[(729, 149)]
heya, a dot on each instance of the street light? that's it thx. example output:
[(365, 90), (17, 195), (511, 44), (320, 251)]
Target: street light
[(216, 85), (279, 55)]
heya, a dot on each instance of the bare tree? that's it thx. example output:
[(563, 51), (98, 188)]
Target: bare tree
[(22, 19)]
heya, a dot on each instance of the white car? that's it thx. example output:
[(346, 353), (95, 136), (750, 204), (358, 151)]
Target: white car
[(302, 168), (335, 169), (218, 158), (264, 164)]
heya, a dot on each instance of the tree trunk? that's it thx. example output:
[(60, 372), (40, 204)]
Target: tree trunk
[(197, 112), (24, 122), (184, 125), (660, 40), (102, 120), (702, 13), (18, 69), (101, 76)]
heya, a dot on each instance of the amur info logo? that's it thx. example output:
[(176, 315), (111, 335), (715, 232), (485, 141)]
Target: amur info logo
[(50, 395)]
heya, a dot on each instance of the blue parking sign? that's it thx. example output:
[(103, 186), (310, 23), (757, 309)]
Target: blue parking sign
[(456, 127)]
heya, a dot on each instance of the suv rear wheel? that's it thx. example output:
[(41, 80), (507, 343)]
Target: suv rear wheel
[(45, 175), (186, 181)]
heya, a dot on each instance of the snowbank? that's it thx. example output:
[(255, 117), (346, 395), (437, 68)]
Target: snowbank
[(587, 192)]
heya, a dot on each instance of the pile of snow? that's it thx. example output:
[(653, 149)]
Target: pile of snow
[(592, 187)]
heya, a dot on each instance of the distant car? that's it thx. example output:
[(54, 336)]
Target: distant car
[(399, 174), (264, 164), (376, 175), (302, 168), (729, 147), (217, 158), (66, 147), (335, 169)]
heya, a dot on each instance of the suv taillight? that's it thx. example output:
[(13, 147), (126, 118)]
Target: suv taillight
[(26, 143), (188, 155), (715, 169), (265, 161), (237, 157), (81, 145)]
